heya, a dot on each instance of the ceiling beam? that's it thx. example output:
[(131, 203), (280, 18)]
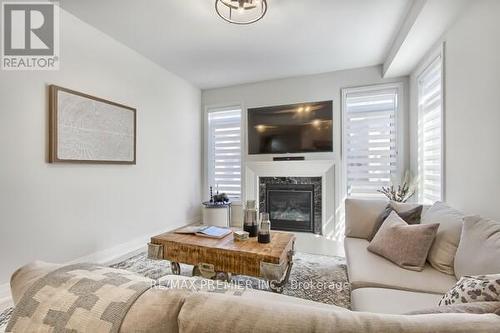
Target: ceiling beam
[(425, 24)]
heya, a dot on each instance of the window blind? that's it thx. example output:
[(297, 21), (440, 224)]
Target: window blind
[(370, 140), (224, 156), (430, 133)]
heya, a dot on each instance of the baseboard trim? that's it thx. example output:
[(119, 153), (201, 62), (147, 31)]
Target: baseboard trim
[(111, 254), (108, 256), (125, 250)]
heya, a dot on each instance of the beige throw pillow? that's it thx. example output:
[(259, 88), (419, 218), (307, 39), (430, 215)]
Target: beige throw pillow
[(442, 253), (411, 216), (405, 245), (479, 249)]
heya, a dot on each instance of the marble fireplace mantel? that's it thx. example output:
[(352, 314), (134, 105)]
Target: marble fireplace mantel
[(308, 168)]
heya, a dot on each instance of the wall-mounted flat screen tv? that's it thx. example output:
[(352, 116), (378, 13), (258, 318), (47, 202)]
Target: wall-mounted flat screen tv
[(297, 128)]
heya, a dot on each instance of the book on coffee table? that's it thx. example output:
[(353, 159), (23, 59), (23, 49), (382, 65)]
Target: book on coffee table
[(205, 231)]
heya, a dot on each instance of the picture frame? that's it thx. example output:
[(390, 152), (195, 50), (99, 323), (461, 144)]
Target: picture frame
[(89, 129)]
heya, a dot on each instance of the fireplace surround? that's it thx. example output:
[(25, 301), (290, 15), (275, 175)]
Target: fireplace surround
[(294, 203)]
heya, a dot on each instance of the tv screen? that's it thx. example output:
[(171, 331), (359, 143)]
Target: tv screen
[(297, 128)]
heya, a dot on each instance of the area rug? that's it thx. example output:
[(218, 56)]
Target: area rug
[(313, 277)]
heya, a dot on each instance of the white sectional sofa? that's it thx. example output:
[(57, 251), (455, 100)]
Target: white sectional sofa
[(377, 284)]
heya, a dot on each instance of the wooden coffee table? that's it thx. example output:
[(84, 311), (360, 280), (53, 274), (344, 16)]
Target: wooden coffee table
[(271, 262)]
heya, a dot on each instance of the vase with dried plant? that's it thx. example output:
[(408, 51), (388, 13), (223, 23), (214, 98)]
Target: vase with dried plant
[(400, 192)]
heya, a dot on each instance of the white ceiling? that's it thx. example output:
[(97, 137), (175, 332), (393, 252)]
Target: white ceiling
[(296, 37)]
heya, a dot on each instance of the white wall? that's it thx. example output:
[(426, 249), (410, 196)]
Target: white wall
[(310, 88), (59, 212), (472, 110)]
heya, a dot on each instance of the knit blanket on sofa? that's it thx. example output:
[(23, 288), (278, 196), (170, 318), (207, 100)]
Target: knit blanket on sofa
[(76, 298)]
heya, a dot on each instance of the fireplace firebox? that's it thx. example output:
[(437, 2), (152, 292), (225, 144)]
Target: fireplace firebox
[(291, 207), (293, 203)]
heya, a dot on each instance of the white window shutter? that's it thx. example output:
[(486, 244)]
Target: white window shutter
[(430, 133), (370, 140), (224, 155)]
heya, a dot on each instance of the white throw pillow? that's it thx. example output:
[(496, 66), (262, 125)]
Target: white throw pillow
[(479, 249), (442, 253)]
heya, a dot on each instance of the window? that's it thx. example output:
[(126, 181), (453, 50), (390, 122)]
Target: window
[(370, 147), (430, 133), (224, 151)]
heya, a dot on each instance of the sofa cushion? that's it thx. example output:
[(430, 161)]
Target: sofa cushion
[(405, 245), (391, 301), (367, 269), (220, 313), (411, 216), (469, 289), (479, 249), (442, 253), (477, 308), (178, 282), (157, 309), (361, 215), (26, 275)]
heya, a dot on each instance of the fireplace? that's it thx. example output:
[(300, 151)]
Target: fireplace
[(290, 207), (293, 203)]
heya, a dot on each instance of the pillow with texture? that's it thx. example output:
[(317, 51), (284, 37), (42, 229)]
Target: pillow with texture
[(474, 308), (405, 245), (442, 253), (469, 289), (479, 249), (411, 216)]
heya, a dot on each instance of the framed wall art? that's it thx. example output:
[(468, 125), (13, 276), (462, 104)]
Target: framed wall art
[(88, 129)]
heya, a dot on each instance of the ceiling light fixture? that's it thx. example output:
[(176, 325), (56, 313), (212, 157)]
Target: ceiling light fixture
[(241, 11)]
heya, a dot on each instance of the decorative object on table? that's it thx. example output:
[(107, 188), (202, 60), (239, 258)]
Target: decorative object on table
[(213, 232), (88, 129), (401, 192), (241, 235), (264, 235), (250, 223), (221, 198), (218, 198), (204, 231), (217, 211)]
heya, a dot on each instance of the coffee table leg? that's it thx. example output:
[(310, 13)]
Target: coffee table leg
[(277, 286), (225, 276), (175, 267)]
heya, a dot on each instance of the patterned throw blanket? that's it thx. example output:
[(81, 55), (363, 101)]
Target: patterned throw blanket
[(78, 298)]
